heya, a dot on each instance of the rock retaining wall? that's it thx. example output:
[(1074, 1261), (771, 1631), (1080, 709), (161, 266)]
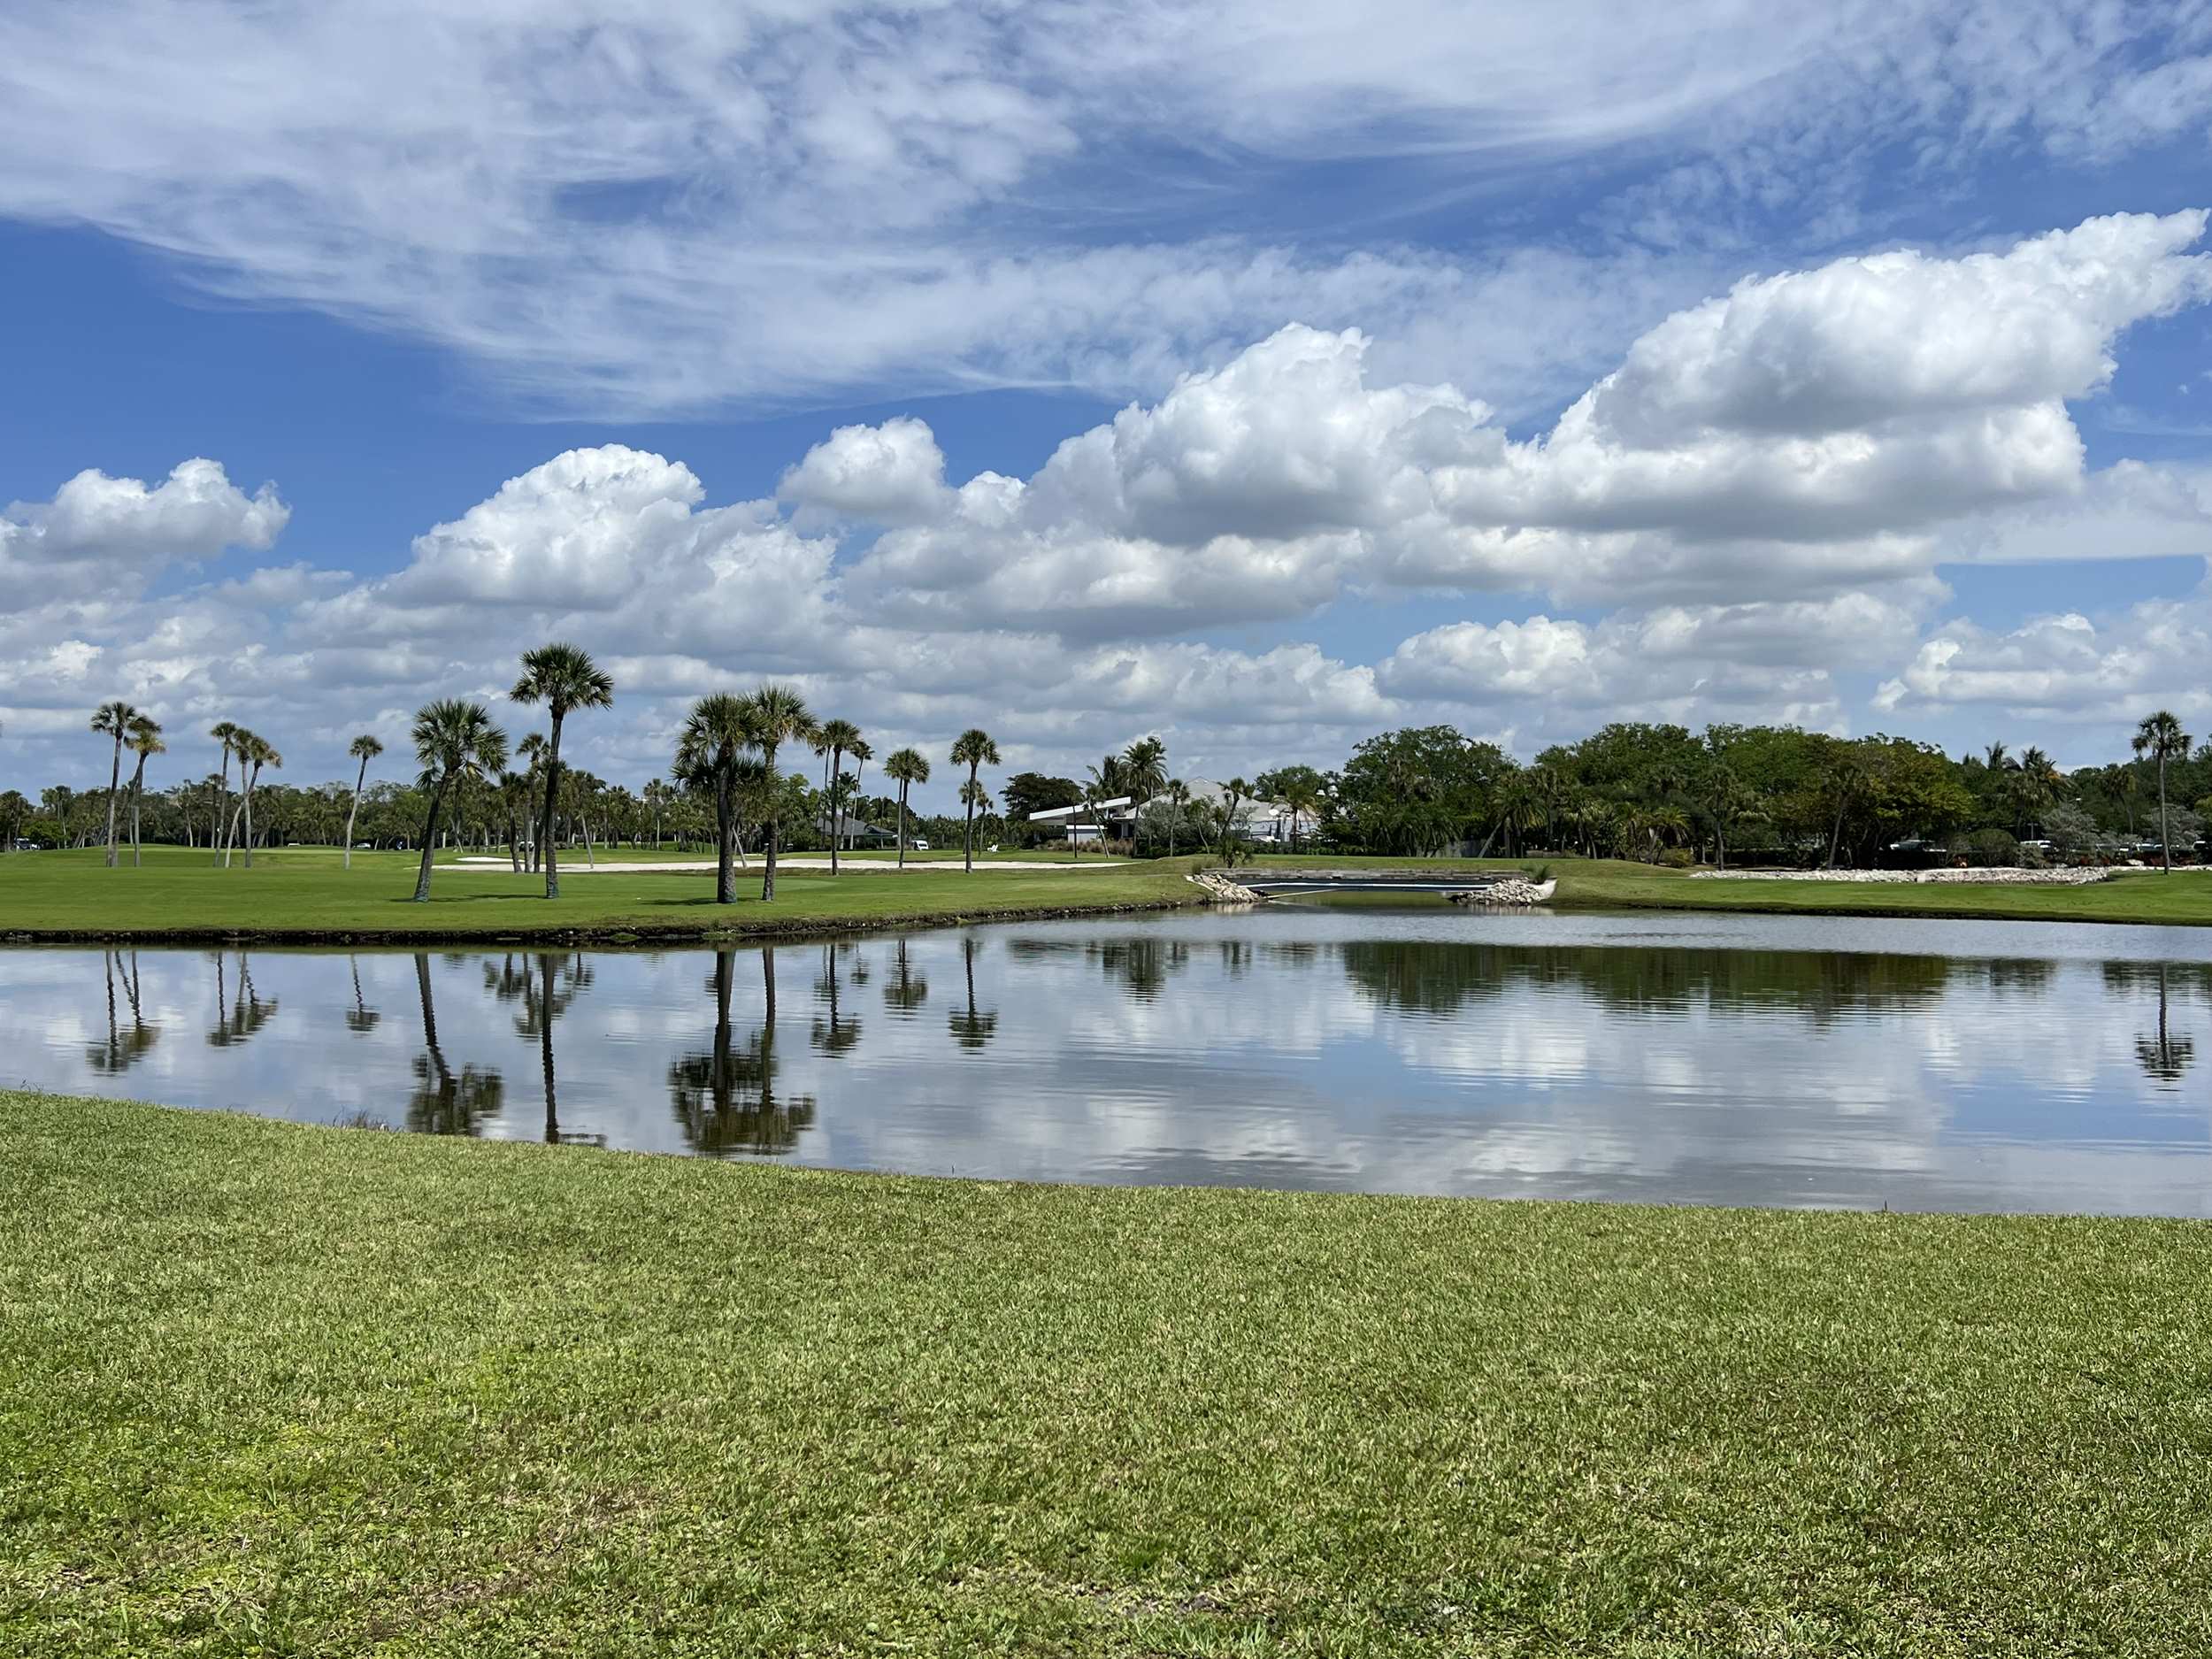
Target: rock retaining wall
[(1223, 890), (1998, 878), (1513, 891)]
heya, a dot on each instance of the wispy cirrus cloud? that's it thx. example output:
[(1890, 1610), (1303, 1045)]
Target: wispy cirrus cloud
[(616, 208)]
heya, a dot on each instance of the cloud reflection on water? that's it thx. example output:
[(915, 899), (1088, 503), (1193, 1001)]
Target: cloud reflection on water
[(1763, 1060)]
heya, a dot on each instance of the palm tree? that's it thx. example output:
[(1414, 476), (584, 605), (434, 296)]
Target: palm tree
[(1144, 770), (514, 801), (455, 742), (715, 735), (832, 740), (1729, 800), (974, 749), (775, 715), (862, 752), (113, 720), (2160, 737), (562, 676), (531, 752), (145, 741), (1109, 780), (241, 741), (15, 806), (1234, 794), (363, 749), (1300, 793), (654, 795), (1995, 758), (1178, 793), (226, 733), (2036, 782), (255, 748), (906, 767)]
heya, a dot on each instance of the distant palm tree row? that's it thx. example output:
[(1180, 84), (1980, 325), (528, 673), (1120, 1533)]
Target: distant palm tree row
[(727, 751)]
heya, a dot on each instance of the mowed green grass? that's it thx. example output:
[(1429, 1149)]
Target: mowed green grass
[(307, 893), (269, 1389), (2183, 899)]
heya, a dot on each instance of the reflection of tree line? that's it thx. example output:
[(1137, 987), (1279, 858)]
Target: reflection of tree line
[(444, 1103), (1441, 979), (545, 983), (128, 1043), (238, 1016), (726, 1098), (2163, 1055)]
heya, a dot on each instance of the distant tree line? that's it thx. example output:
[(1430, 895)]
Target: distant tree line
[(1658, 793)]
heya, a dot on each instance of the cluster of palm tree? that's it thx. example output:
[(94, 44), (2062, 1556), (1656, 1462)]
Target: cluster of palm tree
[(728, 750), (140, 732)]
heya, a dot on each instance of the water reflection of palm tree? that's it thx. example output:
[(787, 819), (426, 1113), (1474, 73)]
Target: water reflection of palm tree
[(840, 1034), (908, 989), (2165, 1057), (237, 1019), (1142, 964), (122, 1049), (442, 1103), (724, 1098), (361, 1019), (545, 995), (971, 1029)]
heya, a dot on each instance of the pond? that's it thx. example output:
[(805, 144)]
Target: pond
[(1676, 1058)]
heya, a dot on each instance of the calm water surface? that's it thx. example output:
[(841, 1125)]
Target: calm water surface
[(1769, 1060)]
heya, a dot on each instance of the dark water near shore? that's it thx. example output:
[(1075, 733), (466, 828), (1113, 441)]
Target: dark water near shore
[(1767, 1060)]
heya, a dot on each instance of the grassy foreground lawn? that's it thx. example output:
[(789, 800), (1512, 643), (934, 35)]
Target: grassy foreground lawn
[(308, 894), (266, 1389), (2183, 899)]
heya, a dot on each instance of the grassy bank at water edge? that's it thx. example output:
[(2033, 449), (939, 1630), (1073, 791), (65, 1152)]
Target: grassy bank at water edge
[(306, 895), (266, 1389), (2182, 899)]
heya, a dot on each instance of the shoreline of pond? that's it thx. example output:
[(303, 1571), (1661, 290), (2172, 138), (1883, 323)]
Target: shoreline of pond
[(795, 929)]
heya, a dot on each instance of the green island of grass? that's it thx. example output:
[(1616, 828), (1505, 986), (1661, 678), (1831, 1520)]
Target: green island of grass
[(306, 896), (275, 1389)]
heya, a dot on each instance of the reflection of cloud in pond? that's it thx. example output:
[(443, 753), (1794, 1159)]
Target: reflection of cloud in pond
[(1734, 1059)]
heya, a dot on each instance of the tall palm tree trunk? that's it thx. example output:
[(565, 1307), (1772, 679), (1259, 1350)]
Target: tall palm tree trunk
[(545, 1049), (2165, 845), (724, 837), (552, 789), (115, 783), (429, 843), (903, 788), (768, 837), (967, 831), (429, 1011), (138, 788), (353, 808), (216, 801), (250, 783)]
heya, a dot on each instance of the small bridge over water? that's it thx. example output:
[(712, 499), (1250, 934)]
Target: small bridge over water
[(1274, 884)]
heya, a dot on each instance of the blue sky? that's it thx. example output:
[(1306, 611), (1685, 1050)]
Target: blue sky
[(1259, 376)]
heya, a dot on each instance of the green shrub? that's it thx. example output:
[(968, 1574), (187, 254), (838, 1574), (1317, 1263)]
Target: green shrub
[(1989, 849)]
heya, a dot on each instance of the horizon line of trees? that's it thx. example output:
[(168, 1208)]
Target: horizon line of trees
[(1658, 793)]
